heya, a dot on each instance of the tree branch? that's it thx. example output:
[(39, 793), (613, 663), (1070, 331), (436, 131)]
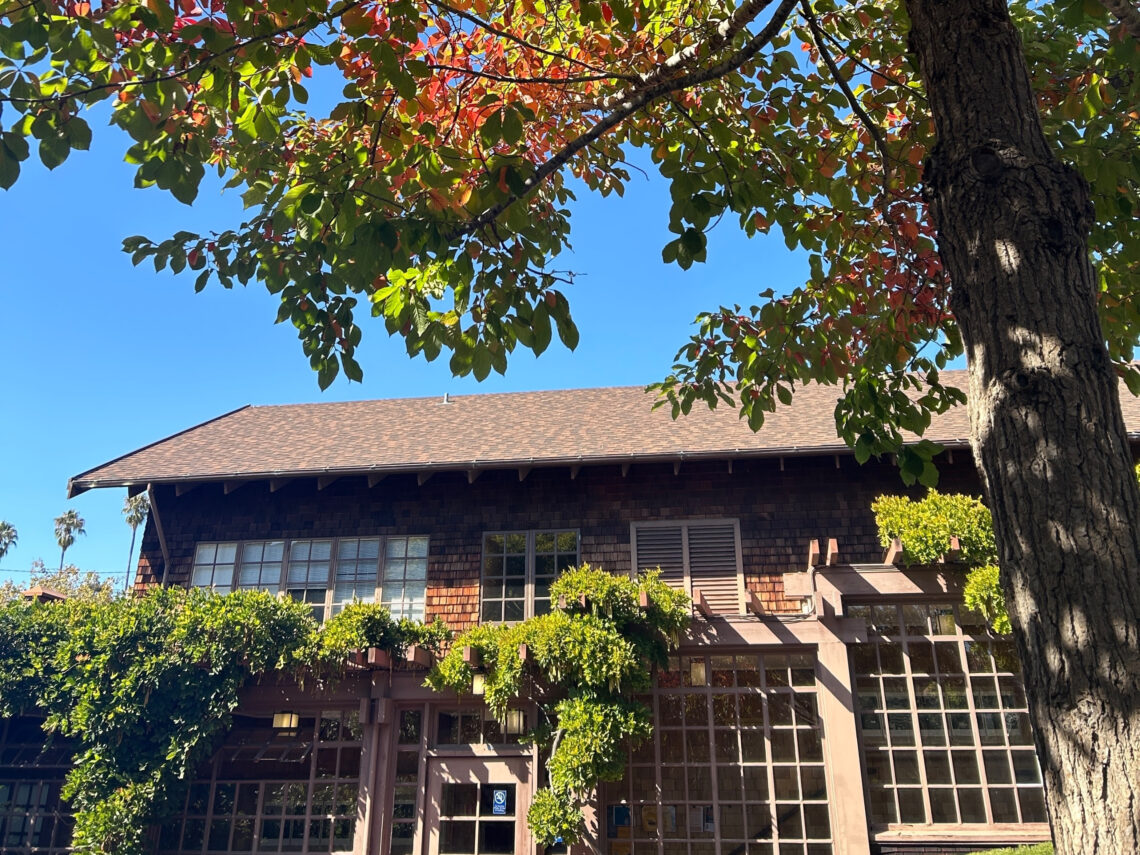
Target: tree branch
[(507, 78), (1126, 13), (657, 85)]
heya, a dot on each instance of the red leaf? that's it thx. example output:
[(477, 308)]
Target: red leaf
[(607, 12)]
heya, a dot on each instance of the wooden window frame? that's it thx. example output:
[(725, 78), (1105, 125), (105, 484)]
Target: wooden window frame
[(530, 575), (330, 604)]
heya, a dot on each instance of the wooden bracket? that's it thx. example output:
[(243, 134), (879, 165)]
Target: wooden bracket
[(423, 478), (643, 599), (574, 470), (562, 602), (375, 478), (955, 551), (276, 484), (523, 472), (625, 469), (183, 489), (522, 652), (472, 657), (813, 553), (832, 552), (326, 480), (472, 474), (701, 604), (229, 486), (894, 552), (754, 604), (676, 467)]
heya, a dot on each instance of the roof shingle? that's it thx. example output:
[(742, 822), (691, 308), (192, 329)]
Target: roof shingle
[(614, 424)]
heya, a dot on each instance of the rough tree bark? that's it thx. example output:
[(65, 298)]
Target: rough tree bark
[(1047, 430)]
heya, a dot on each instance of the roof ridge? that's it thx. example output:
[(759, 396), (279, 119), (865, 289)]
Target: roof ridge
[(452, 398)]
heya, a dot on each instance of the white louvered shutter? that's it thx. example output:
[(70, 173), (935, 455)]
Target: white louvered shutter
[(714, 566), (662, 546)]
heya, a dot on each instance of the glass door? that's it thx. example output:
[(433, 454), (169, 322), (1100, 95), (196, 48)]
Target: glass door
[(477, 807)]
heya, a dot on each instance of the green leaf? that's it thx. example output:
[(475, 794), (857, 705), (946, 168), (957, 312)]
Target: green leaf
[(9, 168)]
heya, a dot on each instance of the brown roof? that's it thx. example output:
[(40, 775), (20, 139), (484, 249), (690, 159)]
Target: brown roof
[(485, 432)]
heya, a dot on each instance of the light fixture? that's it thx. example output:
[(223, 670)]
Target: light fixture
[(515, 723), (697, 672), (286, 723), (478, 684)]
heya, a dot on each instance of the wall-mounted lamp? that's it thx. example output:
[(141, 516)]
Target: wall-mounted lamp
[(286, 723), (697, 672), (515, 723), (478, 684)]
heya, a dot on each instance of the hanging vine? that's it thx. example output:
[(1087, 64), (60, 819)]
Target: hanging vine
[(146, 686), (582, 665)]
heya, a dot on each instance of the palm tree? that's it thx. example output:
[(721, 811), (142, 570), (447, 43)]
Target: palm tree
[(8, 537), (135, 510), (67, 526)]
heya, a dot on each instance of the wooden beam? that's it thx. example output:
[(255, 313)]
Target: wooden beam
[(643, 599), (419, 655), (701, 604), (375, 478), (134, 489), (473, 475), (522, 652), (781, 464), (183, 489), (562, 602), (754, 604), (625, 469), (378, 658), (832, 552), (955, 551), (950, 456), (813, 553), (472, 657), (676, 467), (574, 470), (894, 552), (423, 478), (523, 472), (729, 467), (325, 480), (229, 486), (276, 484), (836, 461)]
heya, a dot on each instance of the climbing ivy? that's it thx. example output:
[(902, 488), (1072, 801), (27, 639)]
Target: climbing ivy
[(146, 685), (584, 663), (925, 527)]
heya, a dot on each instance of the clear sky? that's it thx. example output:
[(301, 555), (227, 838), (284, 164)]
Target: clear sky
[(100, 358)]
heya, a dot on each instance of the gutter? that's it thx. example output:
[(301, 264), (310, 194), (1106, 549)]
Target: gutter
[(79, 484)]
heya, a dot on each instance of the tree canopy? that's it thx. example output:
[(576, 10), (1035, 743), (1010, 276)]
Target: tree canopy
[(433, 193)]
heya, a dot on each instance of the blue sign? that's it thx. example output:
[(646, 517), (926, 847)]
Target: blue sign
[(499, 802)]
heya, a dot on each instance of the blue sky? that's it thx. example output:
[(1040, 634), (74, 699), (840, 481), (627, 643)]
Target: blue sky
[(100, 358)]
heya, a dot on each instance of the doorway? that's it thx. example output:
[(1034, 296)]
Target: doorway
[(477, 806)]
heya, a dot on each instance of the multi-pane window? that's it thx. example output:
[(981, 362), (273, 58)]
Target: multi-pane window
[(943, 719), (476, 726), (404, 587), (326, 573), (699, 555), (518, 568), (214, 566), (33, 817), (260, 567), (307, 579), (356, 562), (273, 791), (735, 766)]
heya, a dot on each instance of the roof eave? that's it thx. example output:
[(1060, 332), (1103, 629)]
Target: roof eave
[(79, 484)]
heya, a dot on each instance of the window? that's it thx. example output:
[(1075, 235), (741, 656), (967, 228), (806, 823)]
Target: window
[(701, 555), (265, 791), (409, 763), (943, 719), (214, 566), (518, 568), (405, 577), (356, 562), (260, 566), (326, 573), (33, 816), (735, 763)]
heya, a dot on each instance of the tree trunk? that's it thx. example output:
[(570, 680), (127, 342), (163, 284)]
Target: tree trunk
[(1047, 431)]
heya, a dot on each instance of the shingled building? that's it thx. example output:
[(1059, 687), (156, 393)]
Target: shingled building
[(828, 701)]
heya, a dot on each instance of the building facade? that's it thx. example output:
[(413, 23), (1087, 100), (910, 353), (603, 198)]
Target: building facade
[(827, 701)]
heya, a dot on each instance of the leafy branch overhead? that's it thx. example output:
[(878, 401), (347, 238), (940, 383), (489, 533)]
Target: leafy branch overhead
[(584, 665), (146, 685), (433, 192)]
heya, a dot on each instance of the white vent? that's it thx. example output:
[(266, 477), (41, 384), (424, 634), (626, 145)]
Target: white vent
[(662, 546)]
